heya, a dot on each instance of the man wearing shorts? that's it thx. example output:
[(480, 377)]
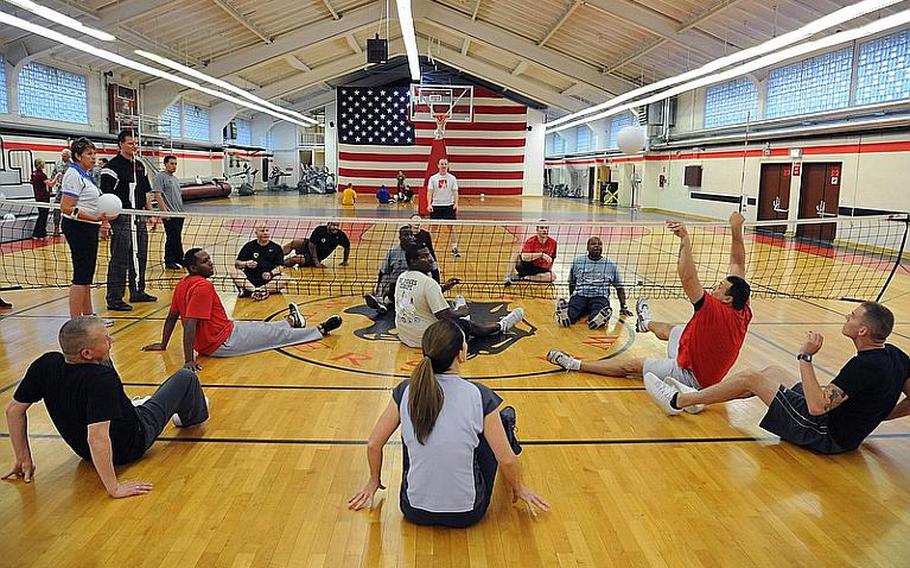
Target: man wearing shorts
[(699, 353), (208, 330), (590, 279), (321, 244), (829, 419), (419, 302), (442, 196), (535, 260), (257, 270)]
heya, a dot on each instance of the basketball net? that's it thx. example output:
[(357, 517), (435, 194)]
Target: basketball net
[(441, 119)]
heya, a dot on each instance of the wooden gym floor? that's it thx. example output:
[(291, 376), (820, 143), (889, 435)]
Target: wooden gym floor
[(265, 480)]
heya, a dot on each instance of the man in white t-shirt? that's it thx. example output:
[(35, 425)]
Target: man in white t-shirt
[(419, 303), (442, 196)]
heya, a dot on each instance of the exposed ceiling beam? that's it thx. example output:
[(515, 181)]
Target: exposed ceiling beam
[(661, 25), (451, 20), (331, 10), (520, 68), (644, 50), (242, 20), (315, 101), (520, 85), (466, 45), (352, 43), (566, 15), (476, 10), (702, 16), (296, 63), (319, 31)]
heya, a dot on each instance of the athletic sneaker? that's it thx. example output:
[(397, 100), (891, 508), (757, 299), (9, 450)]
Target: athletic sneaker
[(601, 318), (179, 423), (260, 294), (643, 320), (455, 252), (297, 319), (560, 359), (243, 293), (562, 313), (139, 400), (511, 320), (334, 322), (510, 279), (662, 393), (695, 408), (458, 303), (375, 303), (510, 422)]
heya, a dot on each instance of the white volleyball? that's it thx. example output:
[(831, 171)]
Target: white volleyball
[(631, 139), (110, 205)]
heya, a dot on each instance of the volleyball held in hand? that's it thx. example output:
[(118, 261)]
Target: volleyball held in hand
[(110, 205), (631, 139)]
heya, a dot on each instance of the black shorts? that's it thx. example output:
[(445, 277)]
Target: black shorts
[(443, 212), (83, 241), (529, 269), (303, 251), (788, 417), (254, 275)]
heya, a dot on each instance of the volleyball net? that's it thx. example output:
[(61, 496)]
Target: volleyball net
[(838, 258)]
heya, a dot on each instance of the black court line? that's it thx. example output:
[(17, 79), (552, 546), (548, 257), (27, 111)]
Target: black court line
[(590, 442), (388, 388)]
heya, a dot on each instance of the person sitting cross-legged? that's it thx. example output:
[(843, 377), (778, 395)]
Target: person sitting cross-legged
[(86, 402), (257, 270), (534, 262), (590, 279), (208, 330), (830, 418)]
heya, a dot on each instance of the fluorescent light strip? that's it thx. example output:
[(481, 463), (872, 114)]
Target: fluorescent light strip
[(120, 60), (62, 19), (878, 26), (406, 21), (220, 83), (810, 29)]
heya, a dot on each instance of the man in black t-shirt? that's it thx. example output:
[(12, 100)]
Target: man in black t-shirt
[(86, 402), (258, 267), (828, 419), (124, 176), (322, 243)]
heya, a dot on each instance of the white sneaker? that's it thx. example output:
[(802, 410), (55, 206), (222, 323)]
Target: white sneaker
[(511, 320), (601, 318), (460, 302), (176, 419), (297, 318), (662, 393), (562, 313), (644, 315), (560, 359), (139, 400), (695, 408)]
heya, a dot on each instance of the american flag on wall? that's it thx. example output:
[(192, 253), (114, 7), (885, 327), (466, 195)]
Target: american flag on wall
[(376, 139)]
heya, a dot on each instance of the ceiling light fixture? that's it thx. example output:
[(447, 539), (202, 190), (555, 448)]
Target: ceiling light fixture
[(62, 19), (821, 24), (406, 21), (220, 83), (141, 67), (878, 26)]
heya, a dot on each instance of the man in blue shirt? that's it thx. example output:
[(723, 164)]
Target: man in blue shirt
[(382, 194), (590, 279)]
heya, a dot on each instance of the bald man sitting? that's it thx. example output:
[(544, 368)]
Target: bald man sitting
[(86, 402)]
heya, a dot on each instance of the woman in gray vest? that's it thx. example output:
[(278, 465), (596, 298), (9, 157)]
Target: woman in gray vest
[(453, 440)]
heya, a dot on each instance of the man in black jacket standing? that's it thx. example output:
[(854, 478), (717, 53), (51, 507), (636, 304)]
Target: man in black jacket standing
[(125, 177)]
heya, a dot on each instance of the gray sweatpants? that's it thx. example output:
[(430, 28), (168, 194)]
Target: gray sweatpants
[(254, 336), (181, 395)]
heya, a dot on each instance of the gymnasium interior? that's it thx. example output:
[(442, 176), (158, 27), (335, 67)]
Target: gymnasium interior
[(612, 119)]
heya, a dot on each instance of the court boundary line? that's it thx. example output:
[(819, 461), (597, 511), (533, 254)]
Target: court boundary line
[(389, 388)]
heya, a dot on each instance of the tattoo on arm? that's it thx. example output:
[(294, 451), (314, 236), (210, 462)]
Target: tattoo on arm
[(834, 396)]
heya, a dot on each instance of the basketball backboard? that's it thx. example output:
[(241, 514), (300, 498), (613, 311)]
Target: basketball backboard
[(428, 101)]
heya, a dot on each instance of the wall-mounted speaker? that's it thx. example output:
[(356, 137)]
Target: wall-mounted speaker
[(377, 50)]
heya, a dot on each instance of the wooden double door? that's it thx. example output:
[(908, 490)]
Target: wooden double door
[(819, 197)]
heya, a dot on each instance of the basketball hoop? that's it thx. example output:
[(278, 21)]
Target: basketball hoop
[(441, 118)]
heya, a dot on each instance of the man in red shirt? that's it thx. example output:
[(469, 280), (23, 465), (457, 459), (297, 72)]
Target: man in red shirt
[(208, 330), (699, 353), (535, 261)]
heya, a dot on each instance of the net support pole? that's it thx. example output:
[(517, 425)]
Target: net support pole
[(898, 260)]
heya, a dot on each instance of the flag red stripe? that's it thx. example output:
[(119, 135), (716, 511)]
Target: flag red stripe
[(461, 175), (478, 142), (460, 158), (501, 126)]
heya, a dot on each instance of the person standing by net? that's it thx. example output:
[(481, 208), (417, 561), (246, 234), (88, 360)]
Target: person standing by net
[(125, 177), (166, 188), (41, 188), (702, 351), (57, 175), (442, 196), (454, 440), (423, 238)]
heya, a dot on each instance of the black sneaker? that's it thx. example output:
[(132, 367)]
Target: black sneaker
[(334, 322), (375, 303), (5, 305), (142, 297), (120, 307), (297, 318), (510, 422)]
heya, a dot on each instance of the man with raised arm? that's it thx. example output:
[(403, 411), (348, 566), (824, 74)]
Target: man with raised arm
[(702, 351), (86, 402), (208, 330)]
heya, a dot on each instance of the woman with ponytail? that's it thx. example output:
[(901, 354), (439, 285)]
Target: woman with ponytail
[(453, 440)]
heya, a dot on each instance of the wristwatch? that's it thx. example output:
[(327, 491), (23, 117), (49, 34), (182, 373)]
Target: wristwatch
[(807, 357)]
